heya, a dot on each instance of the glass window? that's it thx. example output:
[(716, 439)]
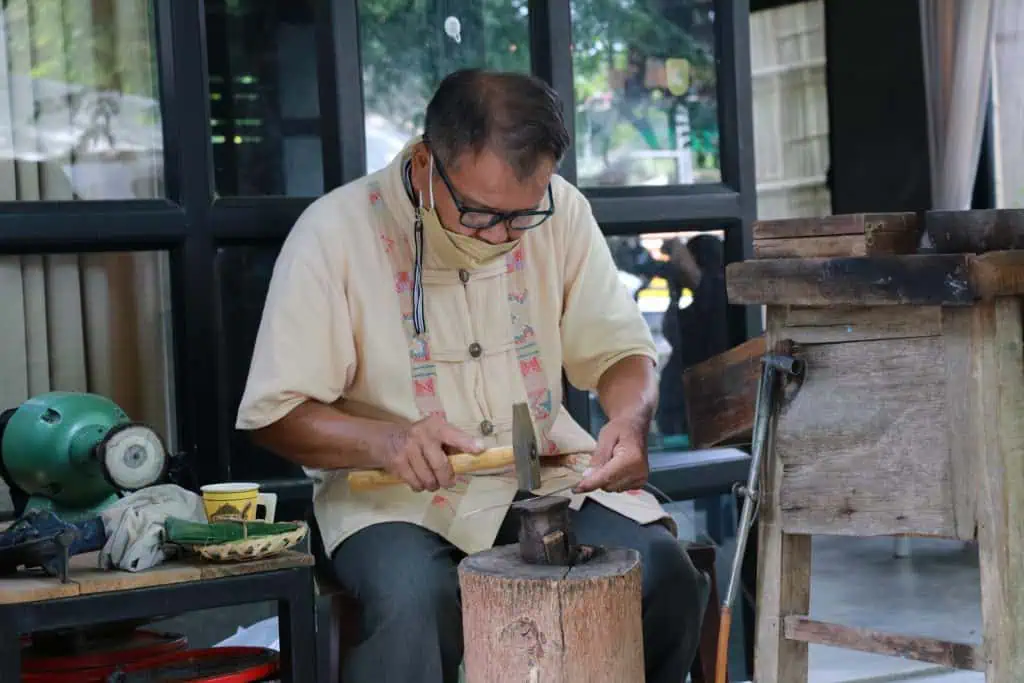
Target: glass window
[(646, 105), (98, 322), (264, 98), (678, 281), (79, 101), (407, 48)]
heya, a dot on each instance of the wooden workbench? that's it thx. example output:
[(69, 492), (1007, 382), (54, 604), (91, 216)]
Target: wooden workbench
[(93, 596), (910, 421)]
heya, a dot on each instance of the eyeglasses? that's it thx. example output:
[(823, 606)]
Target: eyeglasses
[(481, 219)]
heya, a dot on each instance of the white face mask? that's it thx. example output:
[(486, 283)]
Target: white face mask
[(465, 251)]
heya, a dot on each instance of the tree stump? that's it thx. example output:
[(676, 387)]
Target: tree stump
[(578, 622)]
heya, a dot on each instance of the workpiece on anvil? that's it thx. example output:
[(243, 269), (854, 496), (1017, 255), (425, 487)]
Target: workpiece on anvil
[(907, 423), (546, 609)]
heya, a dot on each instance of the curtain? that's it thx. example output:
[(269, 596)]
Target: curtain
[(79, 121), (1008, 104), (957, 41)]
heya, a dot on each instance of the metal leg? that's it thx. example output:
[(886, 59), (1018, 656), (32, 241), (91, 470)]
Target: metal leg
[(901, 546), (10, 649), (297, 630)]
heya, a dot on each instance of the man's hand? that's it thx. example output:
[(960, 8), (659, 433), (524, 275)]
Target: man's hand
[(620, 461), (416, 453)]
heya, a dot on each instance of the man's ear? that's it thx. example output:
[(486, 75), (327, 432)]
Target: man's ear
[(420, 156)]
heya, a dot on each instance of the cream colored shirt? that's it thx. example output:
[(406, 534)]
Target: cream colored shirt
[(332, 332)]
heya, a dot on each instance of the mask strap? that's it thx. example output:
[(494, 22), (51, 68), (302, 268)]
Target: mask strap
[(430, 182), (419, 321)]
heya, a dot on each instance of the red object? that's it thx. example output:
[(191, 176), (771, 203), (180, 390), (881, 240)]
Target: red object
[(140, 645), (215, 665)]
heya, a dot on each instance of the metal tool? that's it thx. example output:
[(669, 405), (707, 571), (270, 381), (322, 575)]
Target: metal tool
[(522, 454), (776, 368), (75, 453), (42, 539), (545, 534)]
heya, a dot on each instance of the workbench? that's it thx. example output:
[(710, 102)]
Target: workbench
[(910, 421), (93, 596)]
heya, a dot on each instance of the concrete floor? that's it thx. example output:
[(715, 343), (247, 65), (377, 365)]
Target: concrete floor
[(858, 582)]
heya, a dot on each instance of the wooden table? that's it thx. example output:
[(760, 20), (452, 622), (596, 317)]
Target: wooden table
[(910, 422), (94, 596)]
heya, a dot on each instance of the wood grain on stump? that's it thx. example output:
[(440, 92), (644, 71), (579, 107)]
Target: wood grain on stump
[(527, 623)]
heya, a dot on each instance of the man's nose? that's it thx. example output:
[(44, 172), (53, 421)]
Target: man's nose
[(496, 234)]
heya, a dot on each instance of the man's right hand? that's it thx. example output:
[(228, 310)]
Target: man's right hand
[(417, 453)]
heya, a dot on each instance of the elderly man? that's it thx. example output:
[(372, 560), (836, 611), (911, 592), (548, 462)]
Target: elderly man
[(407, 312)]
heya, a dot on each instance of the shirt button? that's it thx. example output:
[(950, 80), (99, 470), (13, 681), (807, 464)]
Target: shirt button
[(486, 428), (475, 350), (464, 275)]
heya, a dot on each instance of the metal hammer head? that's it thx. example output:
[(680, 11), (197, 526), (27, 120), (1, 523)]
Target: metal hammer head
[(524, 448)]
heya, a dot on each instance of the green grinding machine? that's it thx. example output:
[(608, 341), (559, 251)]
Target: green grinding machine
[(75, 453)]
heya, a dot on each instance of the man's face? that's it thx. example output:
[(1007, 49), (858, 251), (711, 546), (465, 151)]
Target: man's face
[(482, 182)]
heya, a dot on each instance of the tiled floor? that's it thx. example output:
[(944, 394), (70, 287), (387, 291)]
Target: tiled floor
[(857, 582)]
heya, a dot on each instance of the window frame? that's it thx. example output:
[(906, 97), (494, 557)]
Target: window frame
[(192, 222)]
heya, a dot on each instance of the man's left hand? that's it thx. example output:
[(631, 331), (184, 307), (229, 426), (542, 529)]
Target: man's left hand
[(619, 462)]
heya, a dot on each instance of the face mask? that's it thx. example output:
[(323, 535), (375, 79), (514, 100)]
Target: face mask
[(456, 250)]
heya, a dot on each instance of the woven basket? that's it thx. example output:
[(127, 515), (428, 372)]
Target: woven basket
[(255, 548)]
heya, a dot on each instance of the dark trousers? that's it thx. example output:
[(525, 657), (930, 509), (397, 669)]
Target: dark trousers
[(406, 579)]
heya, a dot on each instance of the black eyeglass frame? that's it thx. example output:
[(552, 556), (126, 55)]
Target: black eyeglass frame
[(496, 217)]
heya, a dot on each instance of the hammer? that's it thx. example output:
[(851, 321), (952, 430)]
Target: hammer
[(523, 454)]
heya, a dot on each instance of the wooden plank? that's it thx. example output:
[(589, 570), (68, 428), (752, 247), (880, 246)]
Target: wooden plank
[(876, 238), (923, 280), (836, 324), (1000, 486), (86, 578), (783, 576), (914, 279), (975, 231), (1000, 273), (720, 394), (864, 441), (91, 579), (845, 224), (963, 341), (809, 247), (34, 588), (882, 238), (918, 648)]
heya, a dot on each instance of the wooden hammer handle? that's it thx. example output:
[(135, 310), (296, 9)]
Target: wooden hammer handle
[(722, 649), (462, 463)]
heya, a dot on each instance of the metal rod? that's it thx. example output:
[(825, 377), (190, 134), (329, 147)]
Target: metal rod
[(762, 411)]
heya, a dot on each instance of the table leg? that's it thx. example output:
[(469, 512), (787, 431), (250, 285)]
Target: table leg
[(10, 650), (296, 617)]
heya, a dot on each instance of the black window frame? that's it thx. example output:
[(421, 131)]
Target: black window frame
[(192, 222)]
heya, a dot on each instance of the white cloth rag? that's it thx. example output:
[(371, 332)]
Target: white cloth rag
[(135, 526)]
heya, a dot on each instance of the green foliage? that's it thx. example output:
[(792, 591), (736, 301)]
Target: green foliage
[(102, 44)]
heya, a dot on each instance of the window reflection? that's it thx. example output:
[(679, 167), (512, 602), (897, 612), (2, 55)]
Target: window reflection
[(646, 106), (408, 48), (79, 102), (678, 282), (264, 98)]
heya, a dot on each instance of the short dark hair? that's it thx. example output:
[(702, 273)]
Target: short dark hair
[(517, 115)]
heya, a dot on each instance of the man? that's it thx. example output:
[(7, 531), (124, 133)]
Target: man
[(407, 312)]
